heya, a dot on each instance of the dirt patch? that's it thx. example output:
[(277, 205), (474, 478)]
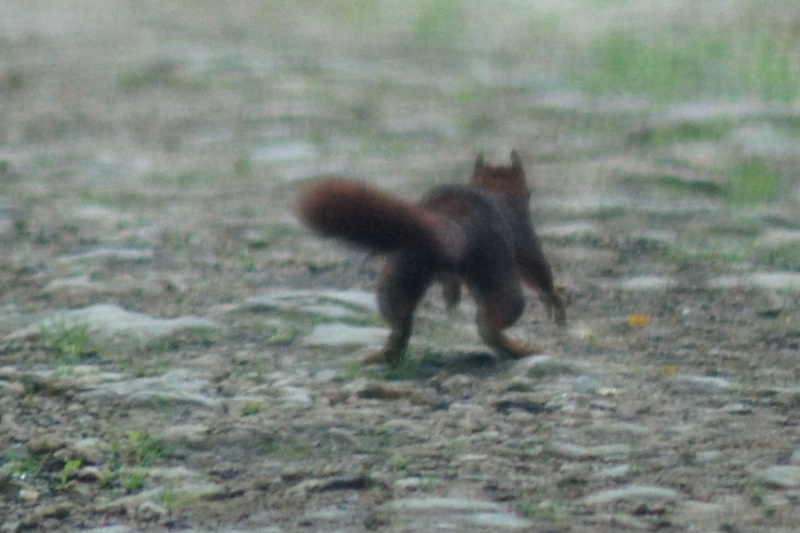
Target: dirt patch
[(149, 162)]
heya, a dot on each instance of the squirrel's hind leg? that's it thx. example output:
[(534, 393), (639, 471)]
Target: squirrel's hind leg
[(496, 312), (451, 290), (402, 284), (538, 276)]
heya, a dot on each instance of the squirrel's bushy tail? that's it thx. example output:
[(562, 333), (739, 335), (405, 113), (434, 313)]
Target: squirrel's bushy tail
[(370, 218)]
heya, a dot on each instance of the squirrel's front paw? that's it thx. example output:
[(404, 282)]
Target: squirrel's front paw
[(392, 357)]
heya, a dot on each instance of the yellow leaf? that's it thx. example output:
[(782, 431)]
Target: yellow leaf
[(668, 371), (638, 320)]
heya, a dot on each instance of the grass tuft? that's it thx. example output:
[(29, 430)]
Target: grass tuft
[(751, 183)]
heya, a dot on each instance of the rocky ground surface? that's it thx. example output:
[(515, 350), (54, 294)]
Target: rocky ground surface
[(176, 353)]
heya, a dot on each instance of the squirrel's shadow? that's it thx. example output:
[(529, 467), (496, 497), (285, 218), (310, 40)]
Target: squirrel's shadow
[(459, 362)]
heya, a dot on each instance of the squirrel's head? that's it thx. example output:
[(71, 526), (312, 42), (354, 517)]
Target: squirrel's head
[(505, 178)]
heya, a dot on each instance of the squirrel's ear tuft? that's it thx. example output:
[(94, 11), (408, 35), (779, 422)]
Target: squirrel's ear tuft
[(479, 166), (516, 161)]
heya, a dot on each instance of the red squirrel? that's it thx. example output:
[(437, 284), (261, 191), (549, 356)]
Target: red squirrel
[(479, 235)]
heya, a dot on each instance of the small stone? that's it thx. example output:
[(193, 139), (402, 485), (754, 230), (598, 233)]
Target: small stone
[(778, 239), (45, 445), (90, 450), (29, 495), (117, 255), (338, 334), (409, 483), (284, 151), (764, 140), (780, 476), (775, 281), (176, 387), (636, 493), (615, 522), (737, 408), (444, 504), (150, 512), (330, 304), (111, 324), (53, 510), (786, 281), (296, 396), (703, 384), (174, 475), (586, 384), (575, 232), (263, 482), (74, 291), (500, 521), (129, 503), (454, 514), (328, 514), (89, 474), (613, 472), (574, 451), (542, 366), (392, 392), (110, 529), (383, 391), (646, 283), (708, 456), (191, 436), (521, 402), (201, 491), (364, 300), (794, 459)]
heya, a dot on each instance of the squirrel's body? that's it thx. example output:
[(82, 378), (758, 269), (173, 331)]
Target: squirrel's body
[(479, 234)]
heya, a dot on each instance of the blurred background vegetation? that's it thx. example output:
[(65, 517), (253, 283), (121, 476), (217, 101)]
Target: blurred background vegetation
[(284, 89)]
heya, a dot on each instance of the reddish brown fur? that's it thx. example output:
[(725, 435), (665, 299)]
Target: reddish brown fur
[(365, 216), (480, 235)]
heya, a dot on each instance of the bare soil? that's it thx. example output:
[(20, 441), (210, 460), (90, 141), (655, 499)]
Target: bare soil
[(182, 131)]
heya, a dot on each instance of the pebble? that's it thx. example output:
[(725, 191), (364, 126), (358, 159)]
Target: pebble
[(110, 529), (89, 474), (542, 366), (75, 291), (777, 239), (646, 283), (296, 396), (328, 514), (794, 459), (150, 512), (636, 493), (192, 436), (46, 445), (130, 503), (576, 232), (702, 384), (776, 281), (613, 472), (454, 514), (90, 450), (120, 255), (29, 495), (330, 304), (339, 335), (108, 323), (586, 384), (176, 387), (574, 451), (58, 510), (780, 476)]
